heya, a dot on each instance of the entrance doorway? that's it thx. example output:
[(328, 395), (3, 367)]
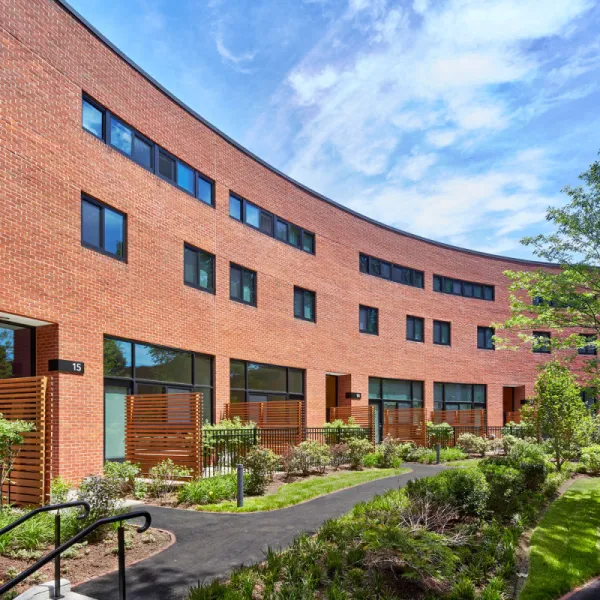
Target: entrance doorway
[(331, 394), (17, 350)]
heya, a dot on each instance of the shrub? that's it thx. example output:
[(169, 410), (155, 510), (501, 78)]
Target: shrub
[(59, 490), (11, 440), (518, 430), (465, 489), (472, 444), (495, 445), (102, 494), (428, 455), (357, 450), (439, 433), (339, 431), (590, 459), (506, 486), (370, 461), (123, 473), (163, 477), (339, 455), (216, 441), (531, 461), (391, 453), (508, 441), (261, 464), (208, 490), (306, 456)]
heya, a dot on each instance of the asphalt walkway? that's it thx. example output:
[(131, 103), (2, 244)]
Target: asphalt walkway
[(211, 545)]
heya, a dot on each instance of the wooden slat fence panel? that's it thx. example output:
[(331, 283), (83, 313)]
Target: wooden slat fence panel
[(162, 426), (362, 415), (25, 398), (268, 415), (470, 418), (406, 424), (513, 417)]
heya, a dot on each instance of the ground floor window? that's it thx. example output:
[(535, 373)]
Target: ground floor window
[(132, 367), (17, 350), (459, 396), (257, 382)]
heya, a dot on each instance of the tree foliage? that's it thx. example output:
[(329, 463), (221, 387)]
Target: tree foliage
[(11, 440), (559, 412), (565, 301)]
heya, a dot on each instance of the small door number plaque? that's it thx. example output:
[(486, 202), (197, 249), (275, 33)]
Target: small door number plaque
[(66, 366)]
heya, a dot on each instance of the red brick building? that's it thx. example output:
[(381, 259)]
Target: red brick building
[(127, 218)]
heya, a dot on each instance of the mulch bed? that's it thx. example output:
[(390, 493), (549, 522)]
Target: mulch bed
[(88, 560)]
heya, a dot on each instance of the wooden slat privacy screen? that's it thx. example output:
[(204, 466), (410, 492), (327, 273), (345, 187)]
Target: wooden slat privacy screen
[(513, 416), (25, 398), (268, 415), (362, 415), (471, 418), (406, 424), (162, 426)]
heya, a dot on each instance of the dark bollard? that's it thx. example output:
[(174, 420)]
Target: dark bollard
[(438, 449), (240, 486)]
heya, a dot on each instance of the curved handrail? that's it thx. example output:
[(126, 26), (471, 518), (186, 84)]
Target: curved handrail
[(47, 508), (76, 538)]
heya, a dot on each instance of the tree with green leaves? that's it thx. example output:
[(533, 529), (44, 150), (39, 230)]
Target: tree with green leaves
[(559, 414), (11, 440), (565, 301)]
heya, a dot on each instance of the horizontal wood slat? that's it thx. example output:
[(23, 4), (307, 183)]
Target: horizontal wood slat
[(513, 416), (406, 424), (25, 399), (163, 426), (362, 415), (471, 418), (276, 414)]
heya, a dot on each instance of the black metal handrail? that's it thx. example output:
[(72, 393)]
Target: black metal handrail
[(80, 536)]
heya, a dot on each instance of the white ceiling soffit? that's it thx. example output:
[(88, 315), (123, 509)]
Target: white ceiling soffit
[(18, 320)]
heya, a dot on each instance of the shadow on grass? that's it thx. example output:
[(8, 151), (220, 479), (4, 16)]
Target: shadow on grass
[(564, 547)]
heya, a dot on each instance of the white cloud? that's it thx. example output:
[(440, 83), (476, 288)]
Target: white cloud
[(413, 168), (236, 60), (307, 88), (440, 138)]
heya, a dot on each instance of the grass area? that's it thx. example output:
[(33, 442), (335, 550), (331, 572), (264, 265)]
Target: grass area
[(305, 489), (469, 462), (564, 546)]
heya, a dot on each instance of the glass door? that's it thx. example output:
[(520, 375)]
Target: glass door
[(114, 420), (378, 416)]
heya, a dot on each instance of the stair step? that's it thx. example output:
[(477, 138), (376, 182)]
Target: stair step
[(45, 591)]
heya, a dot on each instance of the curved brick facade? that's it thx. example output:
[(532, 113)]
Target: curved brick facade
[(47, 160)]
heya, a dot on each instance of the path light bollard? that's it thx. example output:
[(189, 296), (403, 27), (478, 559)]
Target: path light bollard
[(240, 486), (438, 449)]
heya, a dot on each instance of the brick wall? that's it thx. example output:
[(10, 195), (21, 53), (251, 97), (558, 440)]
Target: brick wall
[(47, 160)]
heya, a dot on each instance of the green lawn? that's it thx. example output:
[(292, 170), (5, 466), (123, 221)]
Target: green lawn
[(565, 546), (468, 462), (304, 489)]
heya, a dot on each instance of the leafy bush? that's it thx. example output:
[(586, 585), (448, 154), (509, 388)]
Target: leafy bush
[(370, 461), (215, 441), (518, 430), (428, 455), (307, 456), (11, 440), (590, 459), (163, 477), (439, 433), (103, 495), (508, 441), (464, 489), (59, 490), (531, 460), (391, 453), (506, 486), (339, 455), (357, 450), (124, 473), (472, 444), (208, 490), (261, 464)]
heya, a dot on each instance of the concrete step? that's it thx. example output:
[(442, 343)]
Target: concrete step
[(45, 591)]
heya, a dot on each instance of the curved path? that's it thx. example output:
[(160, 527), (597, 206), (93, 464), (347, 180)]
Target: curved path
[(590, 591), (211, 545)]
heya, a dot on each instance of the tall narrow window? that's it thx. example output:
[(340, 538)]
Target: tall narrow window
[(308, 242), (415, 329), (121, 136), (242, 285), (235, 208), (199, 268), (166, 166), (185, 177), (304, 304), (205, 190), (541, 344), (485, 338), (92, 119), (441, 333), (102, 228), (590, 348), (368, 321)]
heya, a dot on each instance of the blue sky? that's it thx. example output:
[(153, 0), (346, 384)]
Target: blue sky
[(457, 120)]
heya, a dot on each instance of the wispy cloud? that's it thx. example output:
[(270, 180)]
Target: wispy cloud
[(238, 61)]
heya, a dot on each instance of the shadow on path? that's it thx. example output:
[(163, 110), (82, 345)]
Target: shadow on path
[(211, 545)]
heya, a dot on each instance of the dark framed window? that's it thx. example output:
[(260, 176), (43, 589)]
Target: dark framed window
[(17, 350), (106, 126), (415, 329), (467, 289), (242, 284), (441, 333), (459, 396), (368, 320), (390, 271), (305, 304), (485, 338), (258, 382), (541, 343), (396, 393), (132, 367), (103, 228), (589, 349), (270, 224), (198, 268)]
